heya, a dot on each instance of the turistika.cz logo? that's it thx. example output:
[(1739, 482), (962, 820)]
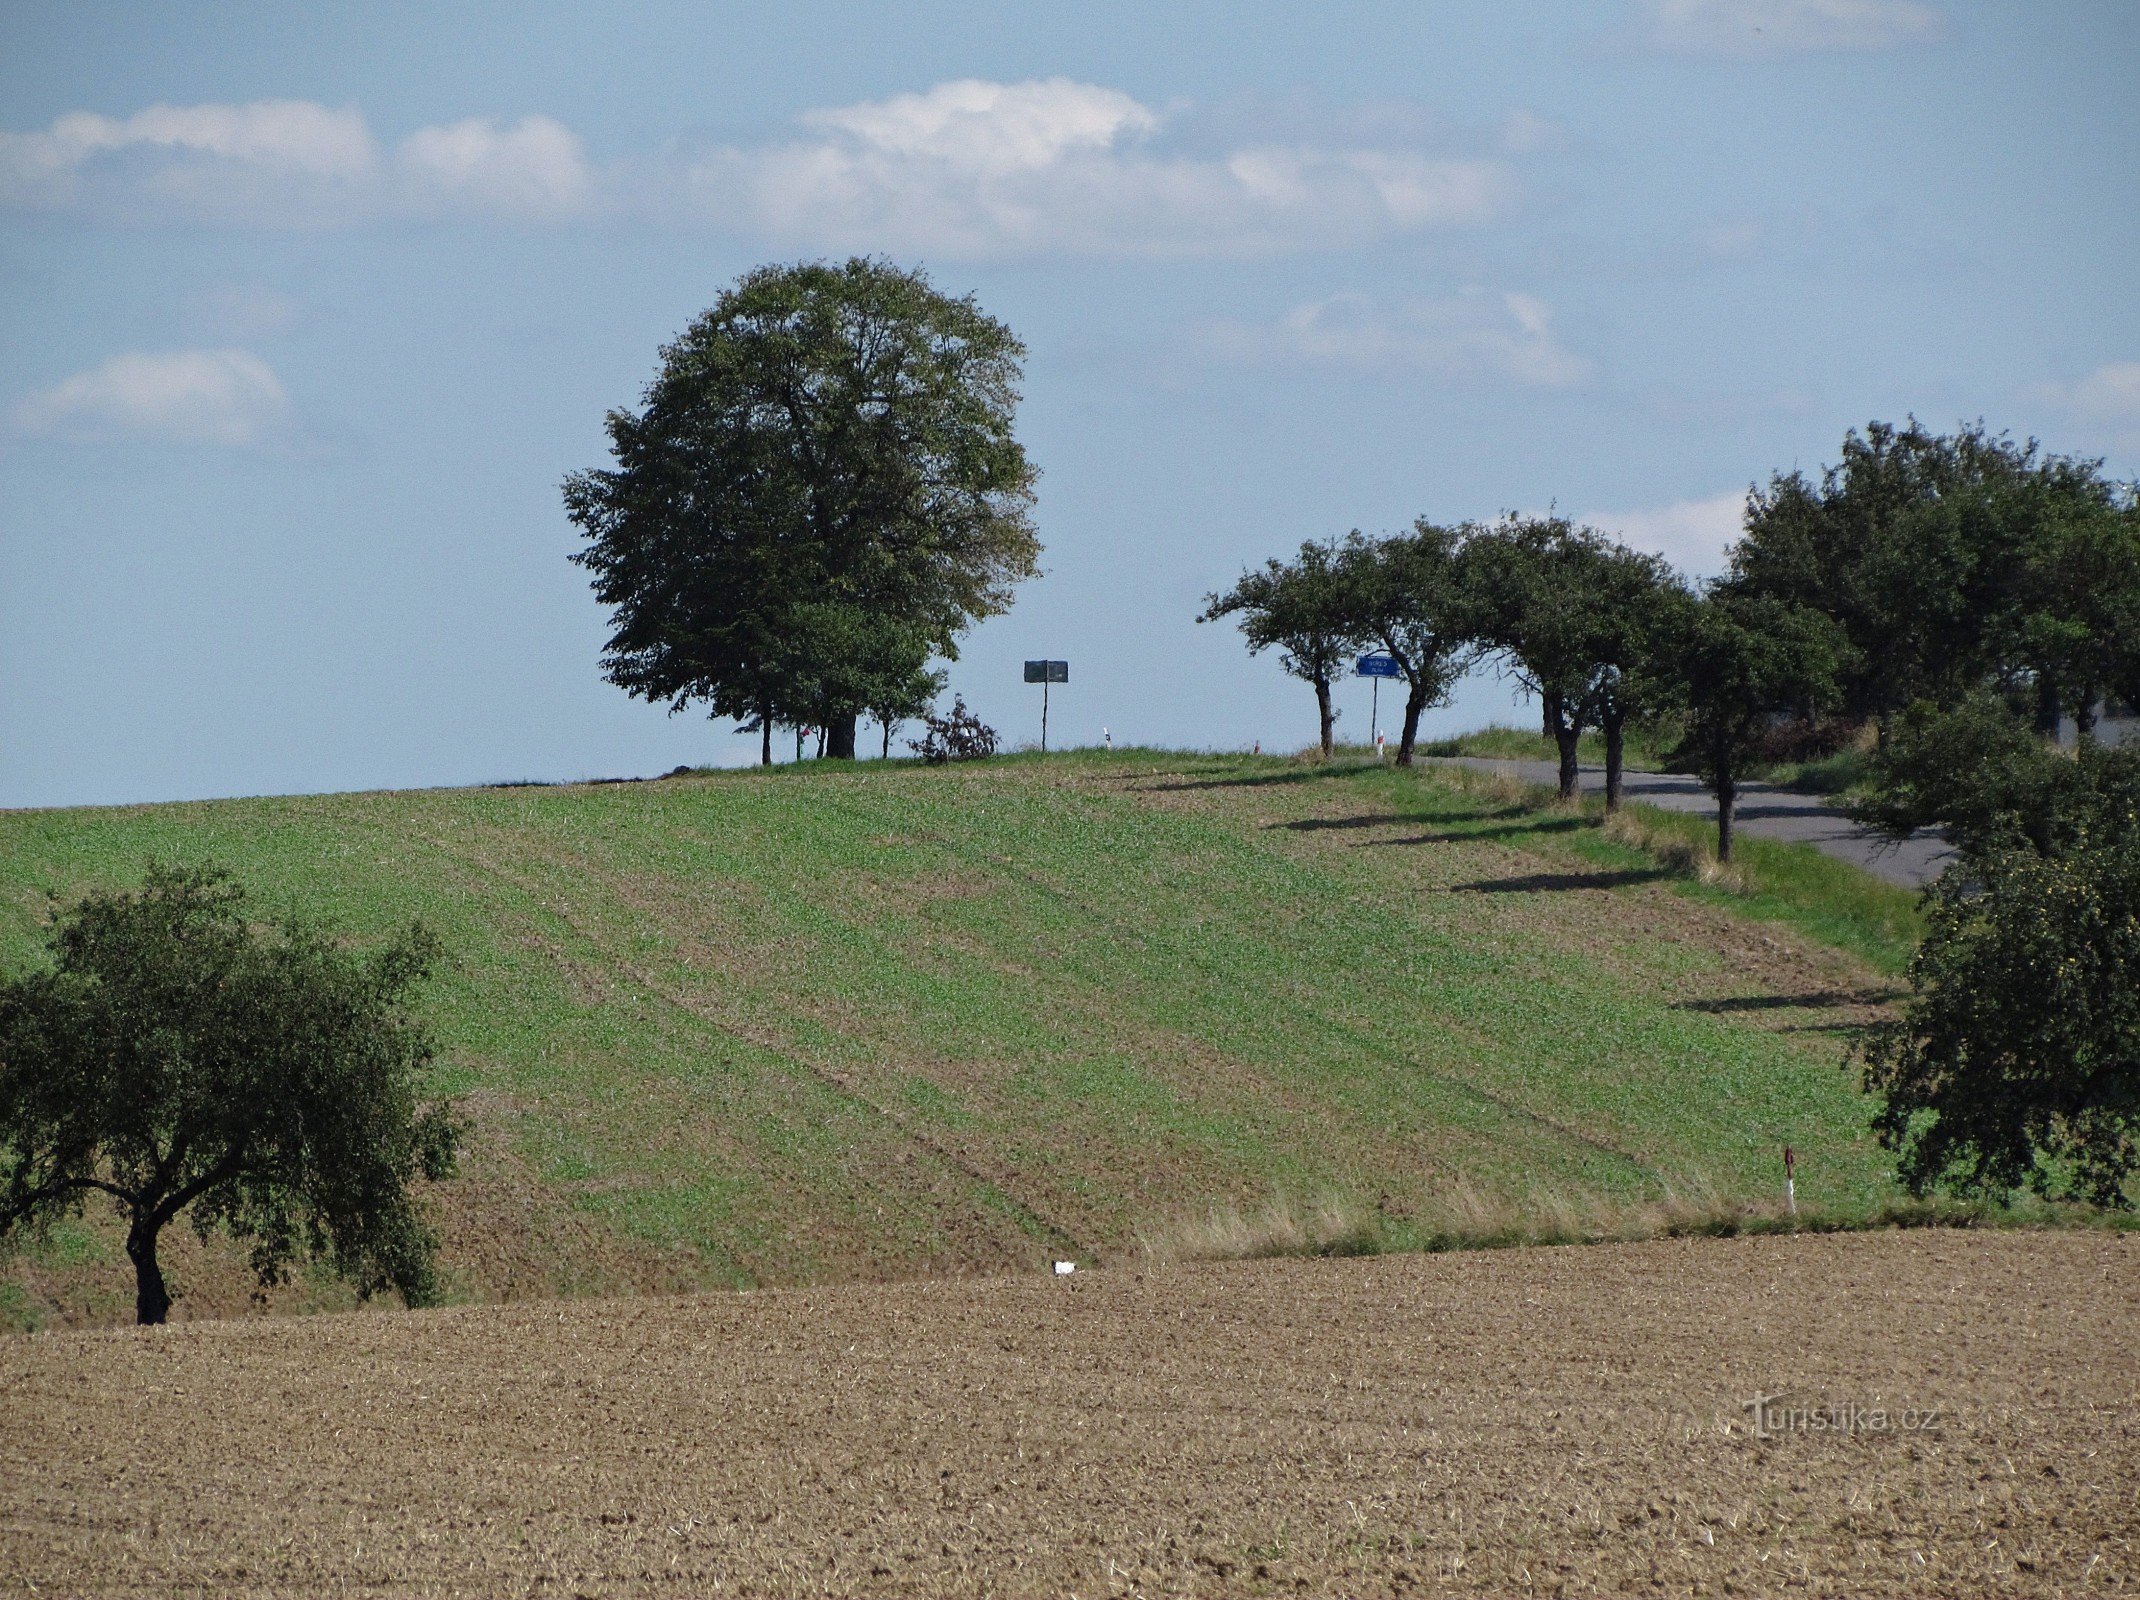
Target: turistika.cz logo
[(1772, 1417)]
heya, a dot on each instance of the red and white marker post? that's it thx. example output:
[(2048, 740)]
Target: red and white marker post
[(1790, 1180)]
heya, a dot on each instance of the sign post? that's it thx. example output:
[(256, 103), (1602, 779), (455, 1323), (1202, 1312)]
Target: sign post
[(1045, 673), (1377, 667)]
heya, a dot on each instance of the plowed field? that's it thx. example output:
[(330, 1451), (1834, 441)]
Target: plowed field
[(1954, 1414)]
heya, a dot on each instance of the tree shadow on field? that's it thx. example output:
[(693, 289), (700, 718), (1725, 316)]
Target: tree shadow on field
[(1552, 882), (1817, 1000), (1263, 780), (1384, 819), (1514, 830)]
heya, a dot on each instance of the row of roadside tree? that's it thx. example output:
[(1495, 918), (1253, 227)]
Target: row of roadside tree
[(1920, 575)]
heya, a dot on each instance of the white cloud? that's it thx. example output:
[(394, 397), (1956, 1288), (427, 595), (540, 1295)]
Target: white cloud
[(967, 168), (1691, 534), (1502, 335), (225, 397), (992, 128), (271, 158), (535, 168), (2111, 392), (2106, 401), (988, 169), (1788, 27), (291, 161)]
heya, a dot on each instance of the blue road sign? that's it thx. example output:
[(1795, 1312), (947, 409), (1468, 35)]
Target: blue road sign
[(1379, 667)]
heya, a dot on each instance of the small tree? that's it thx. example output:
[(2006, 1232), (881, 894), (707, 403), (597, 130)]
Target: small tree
[(2017, 1058), (958, 735), (1740, 663), (1581, 622), (178, 1060), (1305, 608), (1406, 593)]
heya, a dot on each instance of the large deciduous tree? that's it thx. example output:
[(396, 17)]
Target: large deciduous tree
[(1951, 561), (1406, 594), (179, 1060), (1305, 608), (821, 490)]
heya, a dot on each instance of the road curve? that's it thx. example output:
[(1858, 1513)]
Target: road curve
[(1764, 809)]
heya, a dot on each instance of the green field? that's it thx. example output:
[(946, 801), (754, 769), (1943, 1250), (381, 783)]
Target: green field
[(821, 1022)]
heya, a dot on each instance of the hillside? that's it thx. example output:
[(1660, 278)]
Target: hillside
[(821, 1023)]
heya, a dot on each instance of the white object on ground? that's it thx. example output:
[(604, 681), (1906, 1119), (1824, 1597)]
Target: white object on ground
[(1063, 1269)]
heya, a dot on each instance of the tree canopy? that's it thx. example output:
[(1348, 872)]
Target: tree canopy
[(2016, 1061), (1579, 620), (1406, 594), (177, 1059), (821, 491), (1949, 562), (1740, 662), (1305, 609)]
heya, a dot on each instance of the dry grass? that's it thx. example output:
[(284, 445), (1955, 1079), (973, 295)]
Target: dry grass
[(1642, 830), (1469, 1218)]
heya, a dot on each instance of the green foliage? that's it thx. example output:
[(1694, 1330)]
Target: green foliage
[(2017, 1060), (1407, 595), (178, 1060), (1581, 622), (821, 492), (1951, 562), (1739, 663), (1985, 778), (1308, 610)]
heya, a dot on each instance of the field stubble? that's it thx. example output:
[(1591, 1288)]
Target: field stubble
[(1542, 1420)]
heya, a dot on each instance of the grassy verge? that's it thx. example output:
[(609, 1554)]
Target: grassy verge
[(1769, 880), (1836, 774), (1499, 743), (1468, 1219)]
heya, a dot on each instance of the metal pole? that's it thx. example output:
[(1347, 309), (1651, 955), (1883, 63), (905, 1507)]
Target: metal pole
[(1374, 710), (1043, 716)]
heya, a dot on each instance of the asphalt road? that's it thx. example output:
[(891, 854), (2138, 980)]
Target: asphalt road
[(1763, 809)]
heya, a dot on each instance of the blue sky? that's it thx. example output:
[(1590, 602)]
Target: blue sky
[(304, 313)]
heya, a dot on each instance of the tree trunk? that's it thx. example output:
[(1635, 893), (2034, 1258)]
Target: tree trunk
[(1570, 769), (800, 733), (840, 736), (1727, 799), (2084, 707), (1326, 716), (1615, 748), (152, 1301), (1415, 702), (2049, 713), (765, 738), (886, 752), (1549, 715)]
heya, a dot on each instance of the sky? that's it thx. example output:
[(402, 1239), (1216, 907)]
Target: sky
[(306, 311)]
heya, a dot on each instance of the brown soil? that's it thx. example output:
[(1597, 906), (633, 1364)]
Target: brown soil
[(1542, 1421)]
